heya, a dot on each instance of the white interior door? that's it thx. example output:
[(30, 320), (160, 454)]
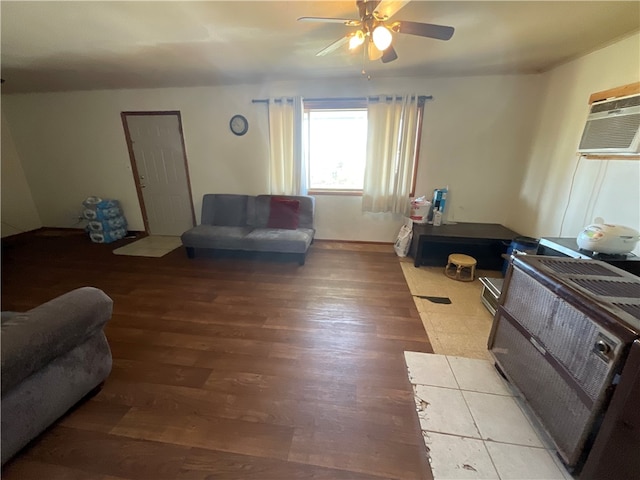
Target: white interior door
[(159, 160)]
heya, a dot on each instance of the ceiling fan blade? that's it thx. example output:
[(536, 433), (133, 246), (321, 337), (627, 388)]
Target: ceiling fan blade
[(389, 55), (334, 46), (373, 52), (345, 21), (388, 8), (439, 32)]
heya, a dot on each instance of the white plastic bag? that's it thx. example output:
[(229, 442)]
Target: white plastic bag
[(403, 242), (420, 208)]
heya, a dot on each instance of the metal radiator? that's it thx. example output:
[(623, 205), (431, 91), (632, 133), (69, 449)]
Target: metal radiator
[(560, 335)]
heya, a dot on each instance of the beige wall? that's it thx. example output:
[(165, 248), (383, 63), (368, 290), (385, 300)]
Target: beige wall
[(505, 146), (72, 146), (476, 136), (548, 205), (19, 212)]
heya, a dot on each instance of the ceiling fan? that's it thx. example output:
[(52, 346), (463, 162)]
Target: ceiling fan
[(374, 30)]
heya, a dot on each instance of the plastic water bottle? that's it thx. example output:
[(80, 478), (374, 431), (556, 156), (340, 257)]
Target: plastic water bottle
[(437, 218)]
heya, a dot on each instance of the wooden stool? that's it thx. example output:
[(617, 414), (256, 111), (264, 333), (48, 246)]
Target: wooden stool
[(461, 267)]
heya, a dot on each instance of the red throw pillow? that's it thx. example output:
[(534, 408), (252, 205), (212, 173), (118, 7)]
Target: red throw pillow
[(284, 213)]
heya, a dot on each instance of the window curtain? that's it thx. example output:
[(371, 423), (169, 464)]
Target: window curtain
[(287, 172), (391, 145)]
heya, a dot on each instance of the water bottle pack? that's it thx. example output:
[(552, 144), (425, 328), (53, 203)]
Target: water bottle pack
[(108, 224), (106, 221), (108, 236), (97, 203), (102, 214)]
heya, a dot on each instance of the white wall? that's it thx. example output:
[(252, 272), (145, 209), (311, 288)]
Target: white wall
[(548, 205), (476, 138), (72, 146), (19, 212)]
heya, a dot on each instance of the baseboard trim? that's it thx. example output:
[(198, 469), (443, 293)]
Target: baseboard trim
[(331, 240)]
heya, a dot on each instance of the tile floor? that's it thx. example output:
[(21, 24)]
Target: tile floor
[(151, 246), (473, 425)]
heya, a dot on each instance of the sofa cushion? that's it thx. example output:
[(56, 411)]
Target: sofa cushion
[(213, 236), (283, 213), (220, 209), (279, 240)]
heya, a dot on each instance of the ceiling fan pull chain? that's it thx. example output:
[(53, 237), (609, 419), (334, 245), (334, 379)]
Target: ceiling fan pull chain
[(364, 59)]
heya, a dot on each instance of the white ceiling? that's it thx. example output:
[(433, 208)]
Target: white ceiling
[(54, 45)]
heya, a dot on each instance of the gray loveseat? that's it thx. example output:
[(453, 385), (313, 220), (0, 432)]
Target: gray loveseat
[(52, 356), (262, 223)]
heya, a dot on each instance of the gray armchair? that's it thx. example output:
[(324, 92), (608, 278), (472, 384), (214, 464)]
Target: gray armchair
[(52, 356)]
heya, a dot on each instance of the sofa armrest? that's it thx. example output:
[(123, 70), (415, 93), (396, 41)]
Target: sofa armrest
[(32, 339)]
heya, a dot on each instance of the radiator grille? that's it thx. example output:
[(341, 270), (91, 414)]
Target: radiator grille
[(609, 288), (632, 309), (531, 301), (556, 405), (570, 337), (564, 331), (573, 268)]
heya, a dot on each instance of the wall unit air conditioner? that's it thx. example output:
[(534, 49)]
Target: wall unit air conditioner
[(613, 127)]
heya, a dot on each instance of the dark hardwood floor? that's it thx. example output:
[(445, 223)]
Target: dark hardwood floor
[(232, 367)]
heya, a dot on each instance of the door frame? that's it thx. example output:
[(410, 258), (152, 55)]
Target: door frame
[(134, 167)]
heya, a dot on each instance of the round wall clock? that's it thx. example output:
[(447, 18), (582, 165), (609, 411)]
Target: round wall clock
[(239, 125)]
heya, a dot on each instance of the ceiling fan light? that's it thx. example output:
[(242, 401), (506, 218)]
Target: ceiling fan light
[(356, 40), (381, 37)]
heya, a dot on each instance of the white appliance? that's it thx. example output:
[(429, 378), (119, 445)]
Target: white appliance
[(613, 127), (609, 239)]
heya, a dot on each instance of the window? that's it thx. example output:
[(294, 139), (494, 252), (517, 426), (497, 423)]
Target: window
[(335, 149), (335, 141), (335, 145)]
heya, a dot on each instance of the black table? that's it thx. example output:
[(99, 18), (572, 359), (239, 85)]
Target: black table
[(486, 242)]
